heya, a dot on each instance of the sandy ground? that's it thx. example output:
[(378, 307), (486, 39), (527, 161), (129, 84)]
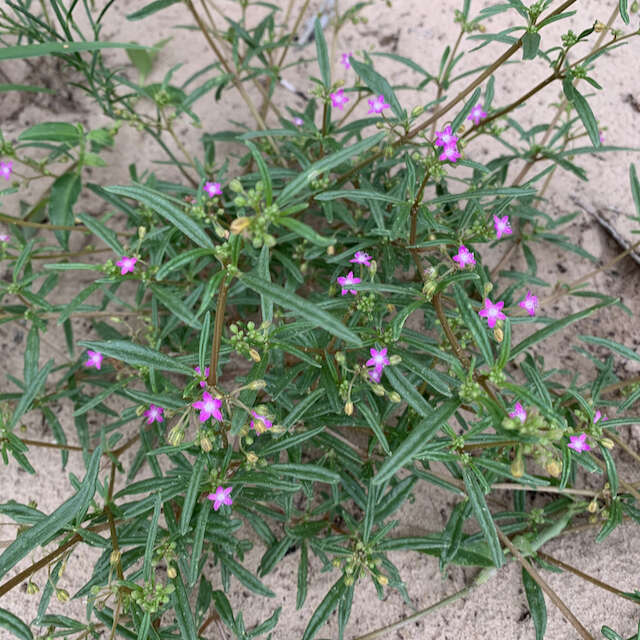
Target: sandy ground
[(418, 29)]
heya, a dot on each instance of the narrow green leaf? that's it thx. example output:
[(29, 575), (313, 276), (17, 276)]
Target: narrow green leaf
[(137, 355), (182, 610), (64, 193), (191, 496), (266, 303), (108, 236), (223, 607), (35, 50), (306, 232), (303, 570), (357, 195), (205, 336), (50, 131), (408, 392), (325, 164), (323, 54), (172, 301), (586, 115), (612, 473), (466, 110), (31, 355), (245, 577), (304, 308), (616, 347), (530, 44), (151, 537), (14, 625), (483, 515), (635, 186), (379, 86), (420, 435), (169, 211), (287, 442), (554, 327), (537, 606), (29, 395), (264, 173), (614, 519), (325, 609), (151, 8), (624, 11), (311, 472), (198, 541), (182, 259), (47, 528), (373, 421)]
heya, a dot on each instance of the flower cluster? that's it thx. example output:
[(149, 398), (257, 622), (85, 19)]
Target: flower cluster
[(203, 383), (260, 423), (378, 361), (448, 142)]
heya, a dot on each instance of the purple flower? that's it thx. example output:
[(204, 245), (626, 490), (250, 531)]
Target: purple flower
[(579, 443), (95, 359), (208, 407), (597, 417), (464, 257), (5, 169), (529, 303), (445, 138), (601, 136), (376, 105), (346, 281), (360, 257), (4, 237), (203, 383), (298, 121), (345, 60), (492, 312), (127, 265), (212, 189), (502, 226), (378, 359), (220, 497), (375, 375), (260, 423), (154, 414), (518, 412), (477, 114), (338, 99), (450, 153)]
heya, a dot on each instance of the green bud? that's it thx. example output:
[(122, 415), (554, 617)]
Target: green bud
[(236, 186), (416, 111)]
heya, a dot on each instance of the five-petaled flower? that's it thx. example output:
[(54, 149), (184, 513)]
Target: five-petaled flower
[(518, 412), (94, 359), (154, 414), (298, 121), (345, 60), (529, 303), (127, 265), (203, 383), (4, 237), (445, 138), (346, 281), (579, 443), (208, 407), (220, 497), (376, 105), (502, 226), (260, 423), (492, 312), (212, 189), (361, 257), (477, 114), (5, 169), (338, 99), (378, 359), (450, 153), (597, 417), (464, 257)]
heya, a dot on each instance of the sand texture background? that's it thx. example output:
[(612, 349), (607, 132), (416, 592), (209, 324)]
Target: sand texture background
[(418, 29)]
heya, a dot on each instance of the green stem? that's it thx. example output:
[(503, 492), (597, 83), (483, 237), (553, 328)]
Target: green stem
[(217, 333)]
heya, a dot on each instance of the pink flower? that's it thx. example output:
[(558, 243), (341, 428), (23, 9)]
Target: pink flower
[(203, 383), (95, 359), (518, 412), (445, 138), (298, 122), (208, 407), (127, 265), (345, 60), (502, 226), (378, 359), (450, 153), (597, 417), (492, 312), (212, 189), (464, 257), (4, 237), (360, 257), (477, 114), (375, 375), (376, 105), (338, 99), (346, 281), (260, 423), (220, 497), (5, 169), (529, 303), (579, 443), (601, 136), (154, 414)]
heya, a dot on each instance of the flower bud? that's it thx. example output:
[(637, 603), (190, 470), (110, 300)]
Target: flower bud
[(331, 249), (32, 588), (395, 359), (599, 27), (348, 408), (340, 359), (171, 572), (593, 506), (416, 111), (239, 225), (176, 436), (498, 334), (235, 185), (255, 356), (378, 389), (394, 396), (607, 442), (62, 595), (205, 443), (517, 467), (383, 580), (252, 458), (256, 385), (114, 558), (554, 468)]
